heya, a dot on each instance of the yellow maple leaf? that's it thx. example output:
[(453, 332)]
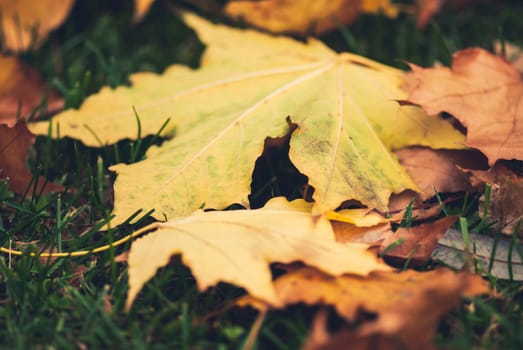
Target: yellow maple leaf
[(305, 17), (238, 246), (345, 108), (26, 23)]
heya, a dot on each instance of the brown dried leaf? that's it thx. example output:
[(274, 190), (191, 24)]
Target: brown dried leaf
[(505, 206), (22, 91), (407, 304), (484, 92), (436, 169), (417, 243)]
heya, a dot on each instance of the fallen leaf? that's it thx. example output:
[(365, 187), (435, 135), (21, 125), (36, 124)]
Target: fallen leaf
[(344, 106), (26, 23), (484, 93), (505, 207), (238, 246), (22, 91), (414, 245), (407, 304), (436, 169), (14, 144), (498, 257), (302, 17)]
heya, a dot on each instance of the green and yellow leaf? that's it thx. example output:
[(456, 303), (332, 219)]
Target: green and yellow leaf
[(345, 107)]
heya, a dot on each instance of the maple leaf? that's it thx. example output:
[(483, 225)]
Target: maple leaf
[(484, 92), (344, 107), (407, 304), (238, 246), (26, 23), (303, 17)]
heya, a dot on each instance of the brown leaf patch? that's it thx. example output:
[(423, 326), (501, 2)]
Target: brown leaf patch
[(21, 92), (484, 93), (407, 304), (505, 206), (436, 169), (14, 144), (415, 244)]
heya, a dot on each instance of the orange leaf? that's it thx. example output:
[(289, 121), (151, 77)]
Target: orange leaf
[(407, 304), (25, 23), (484, 92), (436, 169), (305, 17), (21, 91), (417, 243)]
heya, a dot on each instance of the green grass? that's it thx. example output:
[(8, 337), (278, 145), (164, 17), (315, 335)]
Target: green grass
[(79, 302)]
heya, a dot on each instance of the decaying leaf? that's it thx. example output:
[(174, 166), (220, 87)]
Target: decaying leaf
[(407, 304), (484, 92), (344, 107), (22, 91), (505, 208), (499, 257), (238, 246), (414, 245), (26, 23), (304, 17), (436, 169), (14, 144)]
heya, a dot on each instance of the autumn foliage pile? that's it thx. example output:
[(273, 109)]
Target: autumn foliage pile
[(369, 140)]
